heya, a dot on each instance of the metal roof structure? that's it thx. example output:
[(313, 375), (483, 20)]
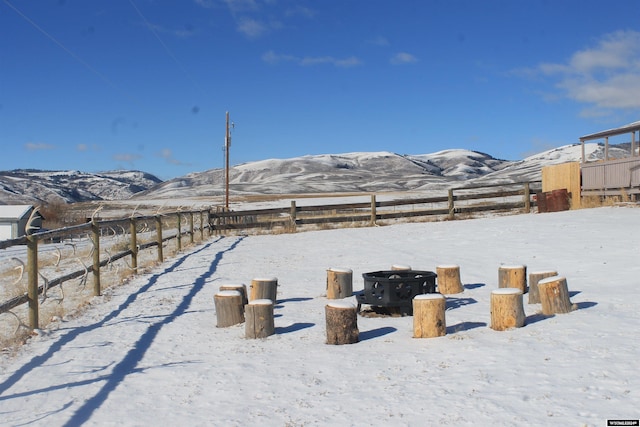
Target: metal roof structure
[(631, 127)]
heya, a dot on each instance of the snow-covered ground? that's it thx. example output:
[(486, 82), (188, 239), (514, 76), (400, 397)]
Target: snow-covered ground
[(149, 352)]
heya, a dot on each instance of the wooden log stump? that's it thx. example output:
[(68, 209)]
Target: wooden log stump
[(428, 316), (229, 308), (259, 319), (507, 310), (400, 267), (554, 296), (534, 278), (342, 323), (240, 287), (513, 276), (339, 283), (264, 288), (449, 279)]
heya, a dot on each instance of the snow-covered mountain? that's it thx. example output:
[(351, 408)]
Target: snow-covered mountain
[(35, 186), (371, 172), (327, 173), (349, 172)]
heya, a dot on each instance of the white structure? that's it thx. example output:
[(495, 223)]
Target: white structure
[(13, 220)]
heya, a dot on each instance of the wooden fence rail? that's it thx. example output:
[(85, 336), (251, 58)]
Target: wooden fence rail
[(97, 229), (463, 200)]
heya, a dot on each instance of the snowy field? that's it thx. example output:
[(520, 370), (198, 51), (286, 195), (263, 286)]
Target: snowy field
[(149, 352)]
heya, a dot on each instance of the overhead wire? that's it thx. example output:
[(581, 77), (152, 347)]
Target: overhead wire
[(95, 71), (71, 53), (164, 46)]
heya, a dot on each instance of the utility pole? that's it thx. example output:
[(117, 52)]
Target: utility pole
[(227, 144)]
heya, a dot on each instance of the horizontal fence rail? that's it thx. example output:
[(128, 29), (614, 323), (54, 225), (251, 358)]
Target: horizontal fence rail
[(462, 200), (96, 230)]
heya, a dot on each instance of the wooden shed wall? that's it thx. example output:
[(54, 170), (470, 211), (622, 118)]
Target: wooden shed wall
[(565, 175)]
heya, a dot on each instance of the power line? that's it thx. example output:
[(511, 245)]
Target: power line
[(165, 47), (73, 55)]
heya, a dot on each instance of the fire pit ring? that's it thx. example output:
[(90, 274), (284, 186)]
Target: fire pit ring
[(396, 288)]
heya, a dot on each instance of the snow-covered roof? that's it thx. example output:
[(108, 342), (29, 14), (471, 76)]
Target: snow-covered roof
[(14, 211), (631, 127)]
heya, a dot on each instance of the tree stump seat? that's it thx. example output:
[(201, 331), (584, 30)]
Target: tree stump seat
[(429, 316), (229, 308), (507, 310), (449, 279), (264, 288), (554, 296), (513, 276), (259, 321), (240, 287), (342, 323), (339, 283), (534, 278)]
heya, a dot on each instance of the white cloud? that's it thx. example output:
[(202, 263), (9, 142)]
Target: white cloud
[(614, 51), (126, 157), (167, 154), (300, 11), (38, 146), (251, 27), (605, 77), (236, 6), (255, 18), (351, 61), (380, 41), (183, 33), (205, 3), (620, 91), (273, 58), (403, 58)]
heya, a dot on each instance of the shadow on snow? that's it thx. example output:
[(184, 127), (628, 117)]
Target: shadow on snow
[(293, 328), (128, 364), (376, 333)]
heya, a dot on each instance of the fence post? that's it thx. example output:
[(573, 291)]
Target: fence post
[(293, 214), (95, 238), (217, 221), (134, 244), (159, 237), (32, 278), (373, 210), (527, 198), (214, 221), (191, 227), (179, 236), (451, 205), (201, 225)]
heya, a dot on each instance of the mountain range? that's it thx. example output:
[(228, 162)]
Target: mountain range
[(311, 174)]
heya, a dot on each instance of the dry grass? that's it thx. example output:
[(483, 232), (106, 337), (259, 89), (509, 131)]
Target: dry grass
[(588, 202), (73, 296)]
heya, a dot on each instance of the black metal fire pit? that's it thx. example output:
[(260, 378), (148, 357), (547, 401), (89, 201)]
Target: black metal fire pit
[(396, 288)]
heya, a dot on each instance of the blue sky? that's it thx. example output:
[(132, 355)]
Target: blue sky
[(97, 85)]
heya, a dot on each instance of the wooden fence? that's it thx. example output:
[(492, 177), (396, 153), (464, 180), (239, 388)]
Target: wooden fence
[(96, 229), (458, 201), (613, 177)]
